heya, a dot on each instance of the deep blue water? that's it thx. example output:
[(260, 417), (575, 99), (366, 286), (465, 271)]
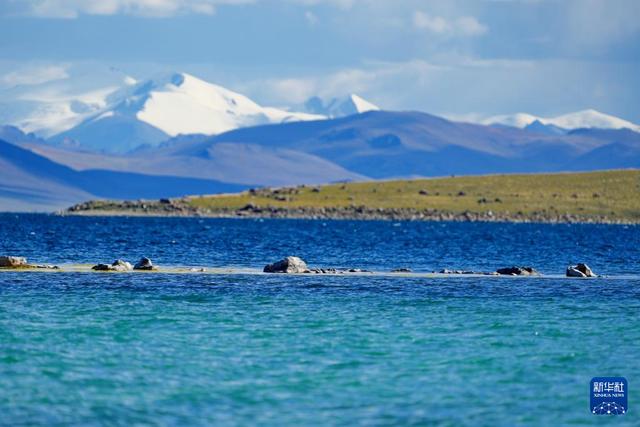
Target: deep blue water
[(246, 349)]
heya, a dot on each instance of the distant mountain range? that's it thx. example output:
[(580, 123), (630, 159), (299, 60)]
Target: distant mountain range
[(381, 144), (132, 114), (125, 114), (179, 135), (571, 121), (372, 145)]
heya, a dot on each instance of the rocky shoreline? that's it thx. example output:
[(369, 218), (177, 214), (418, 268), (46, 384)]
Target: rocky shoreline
[(182, 208), (293, 265)]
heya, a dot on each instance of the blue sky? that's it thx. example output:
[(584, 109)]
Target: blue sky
[(457, 58)]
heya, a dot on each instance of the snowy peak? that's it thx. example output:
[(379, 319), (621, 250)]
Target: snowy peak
[(179, 103), (579, 119), (184, 104), (149, 112), (518, 120), (339, 107), (362, 105), (592, 119)]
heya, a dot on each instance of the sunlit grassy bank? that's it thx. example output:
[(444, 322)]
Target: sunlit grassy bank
[(607, 196)]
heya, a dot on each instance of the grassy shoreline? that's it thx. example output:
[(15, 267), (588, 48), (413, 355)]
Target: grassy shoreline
[(594, 197)]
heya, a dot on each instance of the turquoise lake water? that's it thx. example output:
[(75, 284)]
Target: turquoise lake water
[(282, 350)]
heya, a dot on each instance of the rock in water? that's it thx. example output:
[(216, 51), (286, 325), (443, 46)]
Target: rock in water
[(580, 270), (517, 271), (117, 265), (120, 265), (144, 264), (12, 261), (290, 264), (573, 272)]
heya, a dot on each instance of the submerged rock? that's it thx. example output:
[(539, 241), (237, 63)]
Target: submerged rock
[(517, 271), (323, 271), (573, 272), (401, 270), (13, 261), (144, 264), (580, 270), (117, 265), (290, 264), (120, 265), (447, 271), (45, 266), (478, 273)]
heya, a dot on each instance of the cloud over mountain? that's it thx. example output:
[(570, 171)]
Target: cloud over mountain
[(150, 8)]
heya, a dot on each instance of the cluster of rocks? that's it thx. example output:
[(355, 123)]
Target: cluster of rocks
[(16, 262), (295, 265), (162, 207), (579, 270), (120, 265), (483, 273), (506, 271), (517, 271)]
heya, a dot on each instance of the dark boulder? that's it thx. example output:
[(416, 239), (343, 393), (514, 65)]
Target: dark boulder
[(120, 265), (580, 270), (144, 264), (117, 265), (290, 264), (13, 262)]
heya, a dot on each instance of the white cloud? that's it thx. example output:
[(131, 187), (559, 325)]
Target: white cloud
[(342, 4), (434, 24), (462, 26), (470, 26), (312, 18), (34, 75), (151, 8), (374, 77), (454, 84)]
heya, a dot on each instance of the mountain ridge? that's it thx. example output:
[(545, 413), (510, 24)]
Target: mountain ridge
[(29, 181), (589, 118)]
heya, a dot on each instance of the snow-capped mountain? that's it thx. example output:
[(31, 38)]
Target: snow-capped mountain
[(580, 119), (151, 111), (339, 107), (183, 104)]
